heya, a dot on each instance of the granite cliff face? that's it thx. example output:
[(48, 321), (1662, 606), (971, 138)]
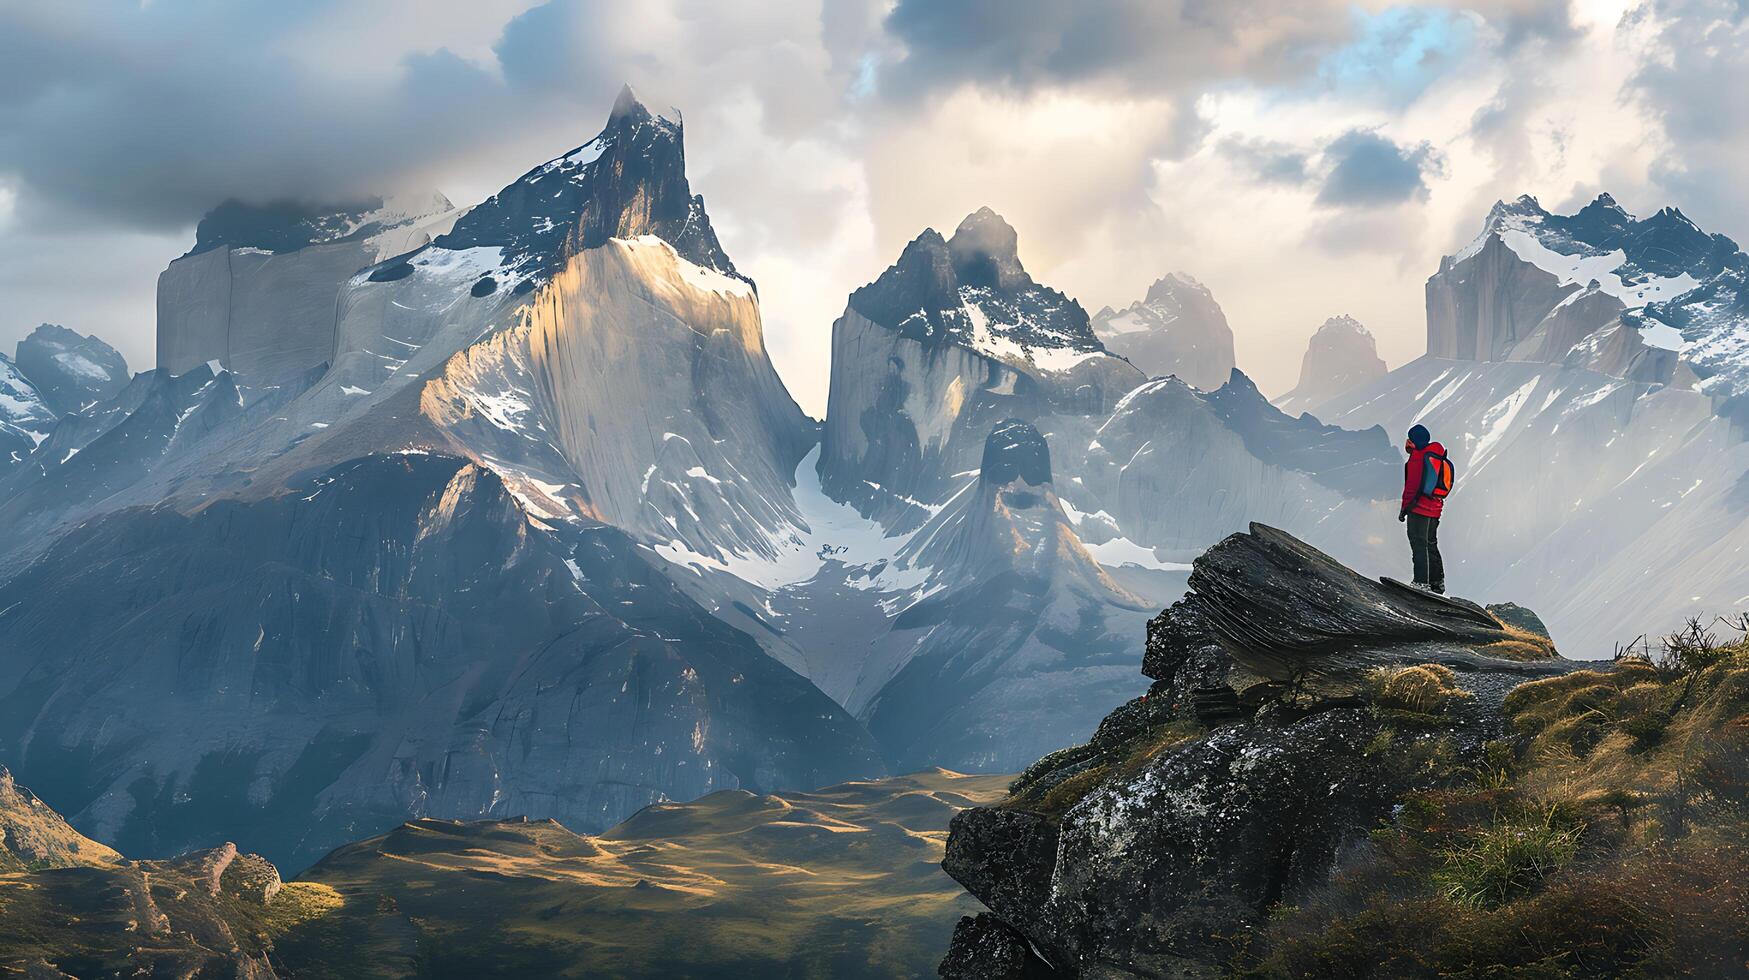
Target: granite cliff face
[(1654, 300), (950, 340), (257, 292), (1176, 329), (1243, 777), (1341, 356)]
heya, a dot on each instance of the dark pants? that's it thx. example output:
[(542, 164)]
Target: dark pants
[(1424, 545)]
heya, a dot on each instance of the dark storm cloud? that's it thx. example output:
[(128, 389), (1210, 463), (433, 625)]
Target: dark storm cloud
[(145, 116), (1267, 161), (1367, 169), (1135, 45), (1156, 46)]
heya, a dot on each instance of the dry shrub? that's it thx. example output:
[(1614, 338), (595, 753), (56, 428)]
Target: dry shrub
[(1426, 689)]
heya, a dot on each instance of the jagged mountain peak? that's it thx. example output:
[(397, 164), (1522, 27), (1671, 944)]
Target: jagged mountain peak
[(33, 835), (986, 252), (25, 419), (1167, 287), (71, 371), (1341, 355), (629, 181), (1343, 323), (628, 108), (971, 290), (1678, 287), (1176, 329)]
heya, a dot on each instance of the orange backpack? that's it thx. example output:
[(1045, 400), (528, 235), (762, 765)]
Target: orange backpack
[(1445, 475)]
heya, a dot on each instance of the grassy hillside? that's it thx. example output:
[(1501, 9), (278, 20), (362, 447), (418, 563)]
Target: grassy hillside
[(1608, 836), (838, 882), (34, 836)]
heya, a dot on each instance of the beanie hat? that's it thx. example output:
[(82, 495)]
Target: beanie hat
[(1420, 436)]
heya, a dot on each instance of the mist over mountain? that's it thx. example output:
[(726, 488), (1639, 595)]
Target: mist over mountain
[(1341, 356), (1176, 329)]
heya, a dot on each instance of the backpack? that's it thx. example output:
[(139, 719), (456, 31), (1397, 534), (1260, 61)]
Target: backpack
[(1445, 475)]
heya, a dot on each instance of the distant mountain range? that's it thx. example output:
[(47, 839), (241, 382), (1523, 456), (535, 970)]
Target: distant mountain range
[(504, 511)]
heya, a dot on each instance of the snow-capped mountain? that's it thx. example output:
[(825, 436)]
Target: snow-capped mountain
[(948, 341), (1177, 329), (445, 568), (111, 447), (25, 418), (583, 334), (1341, 356), (628, 182), (971, 290), (1654, 299), (257, 292), (70, 371)]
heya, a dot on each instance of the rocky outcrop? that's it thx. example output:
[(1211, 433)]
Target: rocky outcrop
[(257, 292), (77, 908), (1341, 356), (1177, 329), (70, 372), (1153, 849), (33, 835), (1325, 626)]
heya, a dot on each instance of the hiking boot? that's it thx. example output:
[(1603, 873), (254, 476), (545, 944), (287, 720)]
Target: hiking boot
[(1437, 588), (1423, 586)]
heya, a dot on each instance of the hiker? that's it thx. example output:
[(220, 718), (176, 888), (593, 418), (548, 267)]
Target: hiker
[(1427, 478)]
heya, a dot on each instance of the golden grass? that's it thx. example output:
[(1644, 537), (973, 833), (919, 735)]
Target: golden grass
[(1426, 689), (731, 882)]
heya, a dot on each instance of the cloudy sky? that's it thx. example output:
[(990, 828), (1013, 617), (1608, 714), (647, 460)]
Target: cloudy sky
[(1303, 158)]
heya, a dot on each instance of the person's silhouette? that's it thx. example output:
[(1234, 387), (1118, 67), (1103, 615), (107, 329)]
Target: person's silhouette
[(1426, 477)]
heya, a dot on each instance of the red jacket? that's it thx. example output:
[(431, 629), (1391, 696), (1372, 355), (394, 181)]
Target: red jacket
[(1418, 480)]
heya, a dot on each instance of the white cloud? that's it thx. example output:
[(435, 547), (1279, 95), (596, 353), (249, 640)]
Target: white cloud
[(825, 134)]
